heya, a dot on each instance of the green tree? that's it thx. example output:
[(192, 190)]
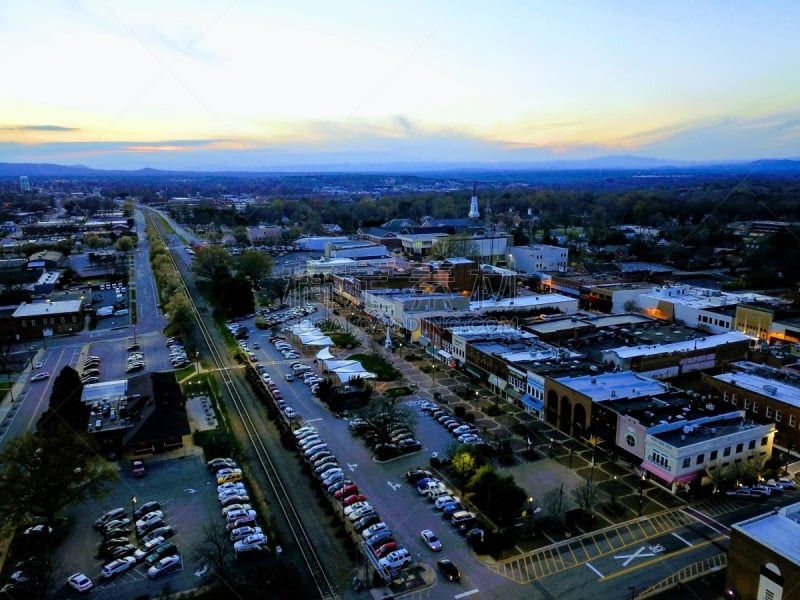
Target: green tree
[(384, 415), (254, 265), (44, 472), (124, 244), (463, 466), (180, 313), (498, 495), (212, 263)]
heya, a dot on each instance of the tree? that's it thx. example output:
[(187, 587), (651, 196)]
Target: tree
[(124, 244), (463, 466), (553, 502), (180, 313), (212, 263), (66, 406), (498, 495), (215, 548), (44, 472), (254, 265), (586, 496), (383, 416)]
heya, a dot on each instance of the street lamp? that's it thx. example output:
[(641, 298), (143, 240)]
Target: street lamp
[(641, 494), (133, 509)]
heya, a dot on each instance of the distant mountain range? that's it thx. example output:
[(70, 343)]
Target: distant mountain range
[(621, 163)]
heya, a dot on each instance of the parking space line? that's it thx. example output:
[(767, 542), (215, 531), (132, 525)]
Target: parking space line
[(596, 572), (687, 542)]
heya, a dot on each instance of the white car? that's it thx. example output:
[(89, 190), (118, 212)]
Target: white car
[(255, 541), (233, 507), (235, 515), (145, 549), (431, 540), (242, 532), (230, 485), (149, 519), (117, 566), (40, 376), (79, 582), (165, 565)]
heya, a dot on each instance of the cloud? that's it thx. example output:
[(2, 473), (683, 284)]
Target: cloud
[(18, 128)]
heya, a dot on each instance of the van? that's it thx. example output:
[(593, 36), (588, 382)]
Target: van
[(462, 518), (105, 311), (121, 312)]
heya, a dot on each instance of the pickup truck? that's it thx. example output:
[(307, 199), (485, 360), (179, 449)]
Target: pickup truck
[(137, 468)]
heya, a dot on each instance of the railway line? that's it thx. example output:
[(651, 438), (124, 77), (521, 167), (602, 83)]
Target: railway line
[(314, 567)]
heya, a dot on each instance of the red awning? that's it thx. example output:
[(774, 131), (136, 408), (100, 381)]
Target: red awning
[(686, 477), (659, 472)]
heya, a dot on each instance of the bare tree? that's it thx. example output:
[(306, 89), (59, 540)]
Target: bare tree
[(215, 549)]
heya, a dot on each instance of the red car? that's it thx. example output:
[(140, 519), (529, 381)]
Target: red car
[(385, 549), (353, 498), (277, 395), (346, 491)]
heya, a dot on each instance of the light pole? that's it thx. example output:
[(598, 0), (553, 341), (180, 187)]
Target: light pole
[(641, 494), (133, 509)]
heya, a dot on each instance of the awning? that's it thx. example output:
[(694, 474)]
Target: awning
[(659, 472), (445, 354), (686, 477), (497, 382), (532, 402), (474, 372), (513, 392)]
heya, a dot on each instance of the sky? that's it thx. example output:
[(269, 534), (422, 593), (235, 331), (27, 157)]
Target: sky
[(265, 85)]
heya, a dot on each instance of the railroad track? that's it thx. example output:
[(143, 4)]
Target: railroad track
[(311, 560)]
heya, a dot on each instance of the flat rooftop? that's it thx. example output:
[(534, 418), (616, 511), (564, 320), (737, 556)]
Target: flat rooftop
[(604, 386), (685, 432), (778, 530), (786, 389)]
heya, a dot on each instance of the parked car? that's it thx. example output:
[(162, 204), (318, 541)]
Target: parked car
[(378, 538), (146, 508), (234, 508), (165, 549), (255, 541), (242, 532), (147, 547), (116, 523), (347, 490), (113, 514), (785, 483), (373, 529), (386, 548), (164, 531), (120, 551), (40, 376), (234, 499), (397, 559), (117, 566), (165, 565)]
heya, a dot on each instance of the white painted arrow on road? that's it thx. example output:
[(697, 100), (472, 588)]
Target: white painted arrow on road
[(201, 572), (394, 486), (190, 491), (352, 467)]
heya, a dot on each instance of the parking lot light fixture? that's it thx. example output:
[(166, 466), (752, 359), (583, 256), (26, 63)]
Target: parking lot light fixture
[(133, 509)]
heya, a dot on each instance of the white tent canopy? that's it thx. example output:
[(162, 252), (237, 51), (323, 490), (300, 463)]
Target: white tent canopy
[(324, 354)]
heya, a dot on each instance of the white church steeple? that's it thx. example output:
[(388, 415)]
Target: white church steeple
[(474, 213)]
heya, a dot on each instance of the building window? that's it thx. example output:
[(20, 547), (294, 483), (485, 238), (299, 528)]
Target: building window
[(778, 416), (62, 320), (24, 324), (700, 459), (764, 441), (739, 448), (751, 445), (768, 412), (755, 407), (33, 322), (746, 403), (687, 462), (713, 455), (792, 421), (726, 451), (725, 395)]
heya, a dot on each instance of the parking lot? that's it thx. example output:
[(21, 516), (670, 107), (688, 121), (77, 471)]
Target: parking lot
[(187, 494)]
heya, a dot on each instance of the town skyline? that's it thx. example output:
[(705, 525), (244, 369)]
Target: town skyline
[(115, 85)]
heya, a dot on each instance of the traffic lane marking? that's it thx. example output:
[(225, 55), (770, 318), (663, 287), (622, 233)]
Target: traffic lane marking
[(598, 573), (467, 593), (662, 556), (687, 542)]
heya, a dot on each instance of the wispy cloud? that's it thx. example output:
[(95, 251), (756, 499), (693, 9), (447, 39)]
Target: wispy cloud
[(21, 128)]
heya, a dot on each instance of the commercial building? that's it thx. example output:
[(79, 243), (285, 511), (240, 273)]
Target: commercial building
[(764, 556)]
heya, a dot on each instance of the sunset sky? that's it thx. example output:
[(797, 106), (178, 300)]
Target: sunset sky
[(247, 84)]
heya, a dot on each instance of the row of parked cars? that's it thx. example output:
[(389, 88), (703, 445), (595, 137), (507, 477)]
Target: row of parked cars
[(274, 318), (90, 372), (463, 432), (240, 516), (177, 353), (398, 440), (763, 489), (152, 548)]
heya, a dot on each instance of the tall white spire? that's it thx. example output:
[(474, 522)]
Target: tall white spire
[(474, 213)]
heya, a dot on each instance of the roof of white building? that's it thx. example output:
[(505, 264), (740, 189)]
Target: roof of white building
[(41, 309), (707, 342), (784, 391), (625, 384), (778, 530), (523, 301)]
